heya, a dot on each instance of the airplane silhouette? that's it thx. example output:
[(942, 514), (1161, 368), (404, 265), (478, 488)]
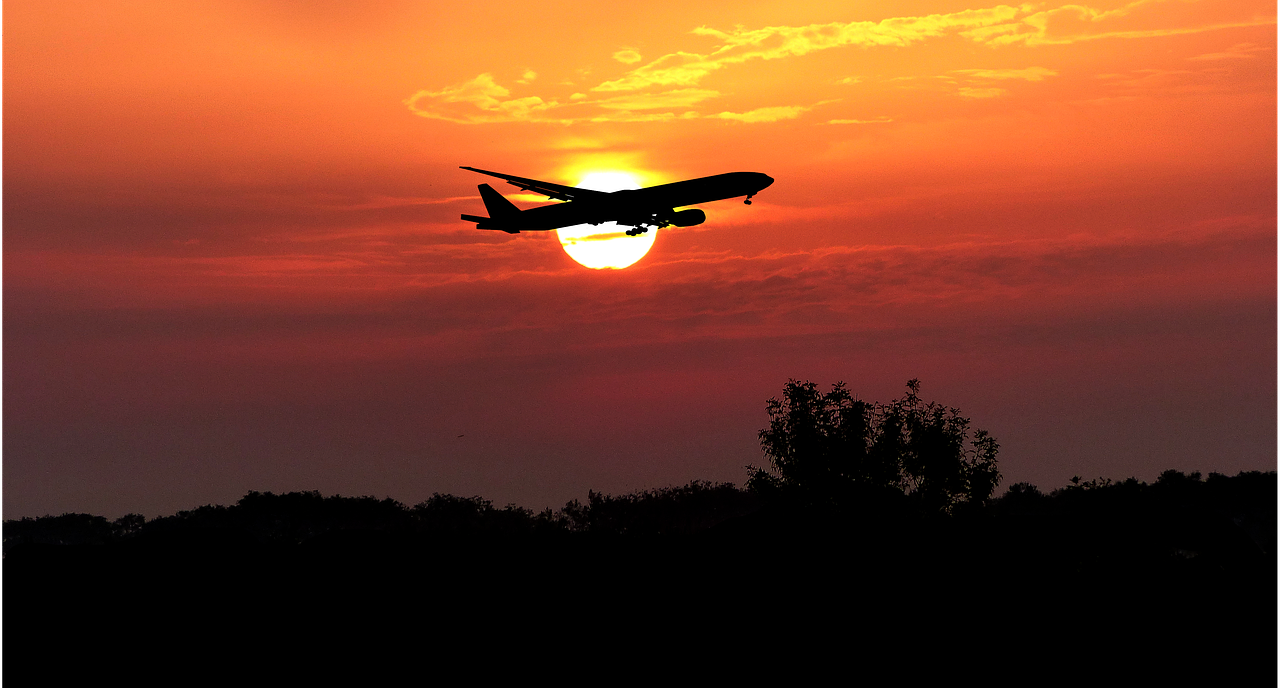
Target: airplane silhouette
[(640, 209)]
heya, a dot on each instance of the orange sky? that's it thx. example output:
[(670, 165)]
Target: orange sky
[(233, 258)]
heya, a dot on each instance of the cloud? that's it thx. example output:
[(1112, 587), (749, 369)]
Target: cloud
[(482, 93), (766, 114), (684, 97), (880, 120), (967, 92), (1028, 74), (484, 101), (528, 76), (627, 56), (981, 75), (678, 74), (776, 42), (1075, 23), (627, 116), (1207, 79), (996, 26), (676, 69), (1240, 51)]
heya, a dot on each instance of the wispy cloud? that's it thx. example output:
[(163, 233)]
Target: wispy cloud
[(1146, 82), (678, 74), (766, 114), (628, 116), (979, 80), (482, 93), (1028, 74), (880, 120), (484, 101), (776, 42), (970, 92), (679, 98), (1239, 51), (997, 26), (627, 56), (1075, 23)]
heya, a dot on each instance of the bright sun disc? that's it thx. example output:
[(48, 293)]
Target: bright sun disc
[(605, 245)]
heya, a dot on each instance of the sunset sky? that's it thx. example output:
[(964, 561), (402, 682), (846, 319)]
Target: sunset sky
[(233, 259)]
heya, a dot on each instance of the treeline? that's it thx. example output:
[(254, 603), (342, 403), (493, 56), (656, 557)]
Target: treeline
[(296, 518), (840, 471), (1179, 515)]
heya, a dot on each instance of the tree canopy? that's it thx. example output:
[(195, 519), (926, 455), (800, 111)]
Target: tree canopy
[(830, 450)]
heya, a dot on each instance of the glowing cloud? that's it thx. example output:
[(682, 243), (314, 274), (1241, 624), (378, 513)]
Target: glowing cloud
[(1074, 23), (776, 42), (483, 100), (968, 92), (881, 120), (627, 56), (1028, 74), (484, 94), (679, 98), (767, 114), (1240, 51)]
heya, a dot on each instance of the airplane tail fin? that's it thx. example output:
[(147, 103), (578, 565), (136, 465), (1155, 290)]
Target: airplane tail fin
[(499, 208), (501, 212)]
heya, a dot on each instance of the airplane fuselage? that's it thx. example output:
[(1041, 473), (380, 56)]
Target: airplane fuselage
[(654, 205)]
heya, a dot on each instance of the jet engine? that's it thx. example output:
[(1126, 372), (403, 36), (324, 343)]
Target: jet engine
[(688, 218)]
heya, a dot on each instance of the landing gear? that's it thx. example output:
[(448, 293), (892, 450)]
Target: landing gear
[(748, 201), (637, 231)]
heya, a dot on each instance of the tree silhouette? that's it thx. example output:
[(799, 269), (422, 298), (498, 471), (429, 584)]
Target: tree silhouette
[(664, 511), (831, 451)]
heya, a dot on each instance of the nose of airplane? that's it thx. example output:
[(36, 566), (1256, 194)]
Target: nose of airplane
[(767, 181)]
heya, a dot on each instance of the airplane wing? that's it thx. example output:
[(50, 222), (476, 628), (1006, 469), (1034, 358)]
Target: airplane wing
[(556, 191)]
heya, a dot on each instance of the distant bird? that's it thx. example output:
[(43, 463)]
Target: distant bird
[(460, 436)]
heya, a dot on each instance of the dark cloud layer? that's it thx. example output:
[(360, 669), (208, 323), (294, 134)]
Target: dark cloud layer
[(1082, 356)]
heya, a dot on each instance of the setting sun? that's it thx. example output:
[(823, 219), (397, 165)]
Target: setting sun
[(605, 245)]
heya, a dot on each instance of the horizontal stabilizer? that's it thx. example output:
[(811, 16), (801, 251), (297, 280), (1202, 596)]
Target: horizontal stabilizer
[(488, 223)]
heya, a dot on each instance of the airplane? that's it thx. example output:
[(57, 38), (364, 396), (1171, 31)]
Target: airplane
[(641, 209)]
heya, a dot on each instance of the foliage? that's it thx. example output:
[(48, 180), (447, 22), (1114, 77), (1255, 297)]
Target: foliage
[(1218, 521), (1078, 483), (445, 513), (670, 510), (1229, 521), (833, 451)]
